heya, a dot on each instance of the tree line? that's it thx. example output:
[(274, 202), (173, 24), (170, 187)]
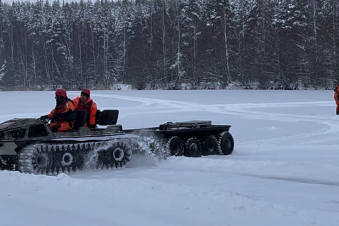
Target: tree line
[(170, 44)]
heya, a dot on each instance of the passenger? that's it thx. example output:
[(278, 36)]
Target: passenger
[(61, 116), (85, 103), (336, 98)]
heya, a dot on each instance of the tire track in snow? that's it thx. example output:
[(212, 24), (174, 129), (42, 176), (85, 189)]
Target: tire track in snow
[(284, 171), (299, 180)]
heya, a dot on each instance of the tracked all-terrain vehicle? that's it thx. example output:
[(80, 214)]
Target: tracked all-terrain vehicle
[(29, 146)]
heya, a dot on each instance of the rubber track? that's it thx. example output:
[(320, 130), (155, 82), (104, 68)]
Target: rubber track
[(48, 158)]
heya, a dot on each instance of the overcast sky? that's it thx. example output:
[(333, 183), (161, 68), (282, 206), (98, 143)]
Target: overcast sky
[(10, 1)]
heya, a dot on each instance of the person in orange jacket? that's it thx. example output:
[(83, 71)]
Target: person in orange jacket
[(84, 102), (336, 98), (62, 117)]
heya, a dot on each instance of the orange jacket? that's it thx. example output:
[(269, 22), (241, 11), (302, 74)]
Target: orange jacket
[(336, 95), (89, 105), (62, 108)]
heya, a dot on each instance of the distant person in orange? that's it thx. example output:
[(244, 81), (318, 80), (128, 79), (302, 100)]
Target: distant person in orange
[(61, 116), (84, 102), (336, 98)]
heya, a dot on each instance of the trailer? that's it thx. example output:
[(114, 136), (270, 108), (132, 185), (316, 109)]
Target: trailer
[(190, 138)]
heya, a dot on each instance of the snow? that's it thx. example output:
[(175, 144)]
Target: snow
[(283, 171)]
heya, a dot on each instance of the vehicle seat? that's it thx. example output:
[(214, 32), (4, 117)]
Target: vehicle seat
[(107, 117)]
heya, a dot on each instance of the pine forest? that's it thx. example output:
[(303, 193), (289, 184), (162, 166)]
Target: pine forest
[(170, 44)]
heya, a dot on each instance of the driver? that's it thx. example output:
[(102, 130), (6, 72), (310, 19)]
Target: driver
[(61, 116)]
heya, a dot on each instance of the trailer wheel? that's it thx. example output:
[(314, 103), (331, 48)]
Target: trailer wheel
[(210, 145), (175, 146), (193, 147), (225, 143)]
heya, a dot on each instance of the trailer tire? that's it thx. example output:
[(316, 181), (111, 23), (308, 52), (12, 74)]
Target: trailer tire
[(175, 146), (209, 145), (225, 143), (193, 147)]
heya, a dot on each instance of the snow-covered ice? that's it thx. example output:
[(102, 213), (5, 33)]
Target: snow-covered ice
[(283, 171)]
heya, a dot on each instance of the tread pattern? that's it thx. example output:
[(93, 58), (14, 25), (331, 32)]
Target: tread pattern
[(225, 143), (52, 159)]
